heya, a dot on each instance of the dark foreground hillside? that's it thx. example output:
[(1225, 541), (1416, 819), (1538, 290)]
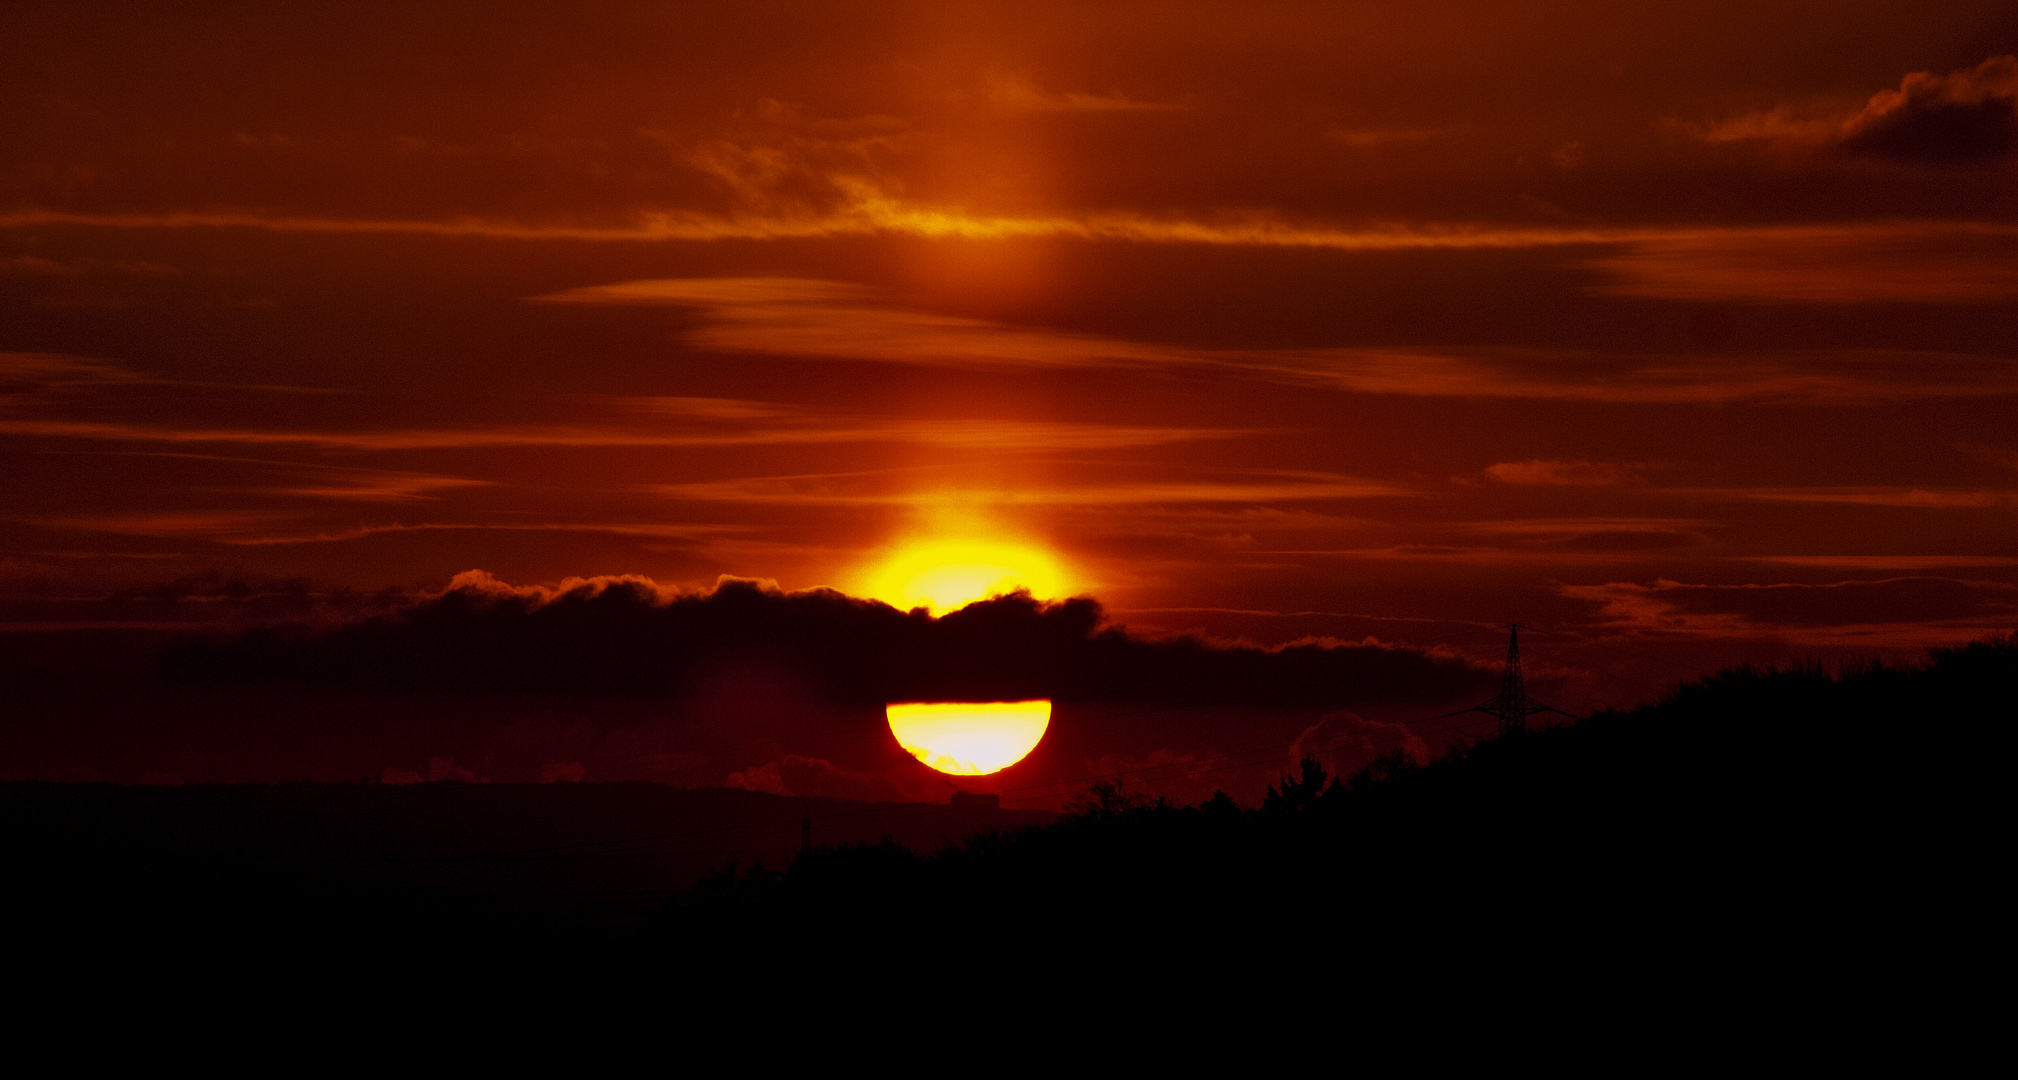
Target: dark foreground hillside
[(1793, 822), (376, 871), (1804, 822)]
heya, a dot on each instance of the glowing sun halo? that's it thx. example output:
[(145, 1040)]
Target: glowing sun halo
[(970, 738), (944, 575)]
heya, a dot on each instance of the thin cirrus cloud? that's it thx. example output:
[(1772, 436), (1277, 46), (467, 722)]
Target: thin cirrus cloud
[(274, 528), (980, 434), (1538, 472), (1904, 262), (1901, 610), (1958, 263), (344, 483), (1889, 562), (879, 489), (1015, 94), (838, 320), (1850, 495)]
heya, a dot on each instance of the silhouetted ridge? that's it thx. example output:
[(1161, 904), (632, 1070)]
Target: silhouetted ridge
[(623, 638), (1756, 809)]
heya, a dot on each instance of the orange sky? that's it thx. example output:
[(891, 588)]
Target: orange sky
[(1688, 334)]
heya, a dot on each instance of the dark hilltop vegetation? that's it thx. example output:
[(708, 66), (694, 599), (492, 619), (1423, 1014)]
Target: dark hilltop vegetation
[(1797, 807), (1802, 811)]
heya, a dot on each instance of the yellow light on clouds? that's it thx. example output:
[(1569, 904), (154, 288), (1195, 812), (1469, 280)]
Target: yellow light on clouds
[(970, 738), (943, 575)]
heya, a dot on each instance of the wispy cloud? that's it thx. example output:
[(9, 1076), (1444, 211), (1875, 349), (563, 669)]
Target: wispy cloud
[(1022, 94), (1888, 562), (204, 524), (1598, 533), (1891, 611), (1915, 262), (883, 489), (867, 210), (1919, 498), (836, 320), (1538, 472), (979, 434)]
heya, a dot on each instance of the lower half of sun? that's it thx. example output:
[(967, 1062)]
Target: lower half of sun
[(970, 738)]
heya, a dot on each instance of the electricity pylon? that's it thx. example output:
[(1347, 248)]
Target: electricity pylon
[(1512, 705)]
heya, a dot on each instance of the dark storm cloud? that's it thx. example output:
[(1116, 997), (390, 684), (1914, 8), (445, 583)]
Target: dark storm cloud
[(1963, 117), (626, 636), (1966, 116)]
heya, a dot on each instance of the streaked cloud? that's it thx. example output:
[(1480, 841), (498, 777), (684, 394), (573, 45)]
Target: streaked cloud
[(1900, 610), (836, 320), (1943, 263), (1889, 562), (1919, 498), (28, 373), (201, 524), (982, 434), (882, 489), (1612, 535), (1537, 472), (1023, 94)]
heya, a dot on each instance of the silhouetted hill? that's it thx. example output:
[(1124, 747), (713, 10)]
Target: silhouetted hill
[(1755, 812), (1788, 818), (313, 865)]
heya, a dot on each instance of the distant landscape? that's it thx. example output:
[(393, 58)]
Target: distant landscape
[(1783, 787)]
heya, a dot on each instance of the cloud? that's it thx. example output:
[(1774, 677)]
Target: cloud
[(1373, 138), (1538, 472), (872, 212), (979, 433), (1902, 610), (1610, 535), (1854, 263), (1920, 498), (23, 374), (629, 636), (1968, 115), (708, 408), (170, 523), (835, 320), (214, 600), (1839, 376), (1362, 740), (1955, 263), (1889, 562), (876, 489), (1022, 94), (1965, 116), (796, 317)]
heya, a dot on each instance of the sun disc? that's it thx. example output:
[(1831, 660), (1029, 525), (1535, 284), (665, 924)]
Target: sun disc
[(967, 738)]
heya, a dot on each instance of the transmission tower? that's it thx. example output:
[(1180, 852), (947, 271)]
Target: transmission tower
[(1512, 705)]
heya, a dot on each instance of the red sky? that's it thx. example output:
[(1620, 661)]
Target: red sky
[(1685, 335)]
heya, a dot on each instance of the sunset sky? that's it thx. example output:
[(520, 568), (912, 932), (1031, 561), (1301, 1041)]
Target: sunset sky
[(1685, 335)]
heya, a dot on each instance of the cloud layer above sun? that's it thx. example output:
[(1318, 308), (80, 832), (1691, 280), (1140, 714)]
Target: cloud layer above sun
[(1686, 335)]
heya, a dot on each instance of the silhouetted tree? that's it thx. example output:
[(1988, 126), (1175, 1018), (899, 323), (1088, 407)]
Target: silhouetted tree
[(1300, 793)]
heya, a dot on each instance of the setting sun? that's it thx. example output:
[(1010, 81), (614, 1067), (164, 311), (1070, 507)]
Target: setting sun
[(970, 738), (945, 575)]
